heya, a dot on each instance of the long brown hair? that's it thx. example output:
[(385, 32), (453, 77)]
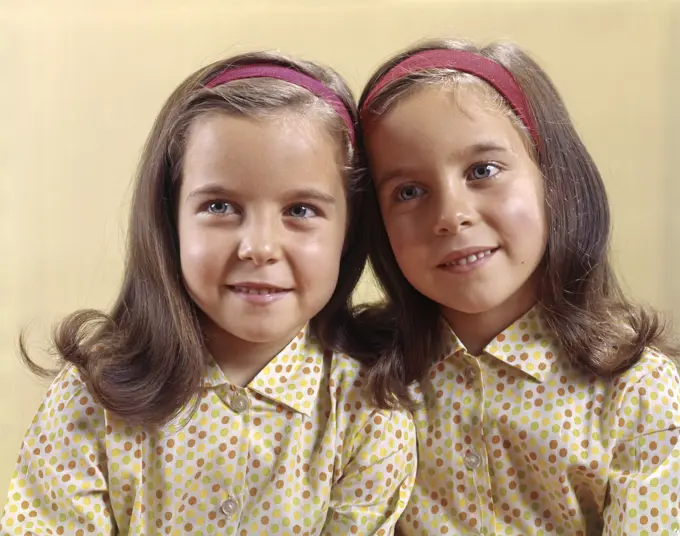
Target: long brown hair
[(600, 329), (145, 359)]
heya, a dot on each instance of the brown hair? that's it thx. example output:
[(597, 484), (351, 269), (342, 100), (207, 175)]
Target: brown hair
[(145, 360), (594, 322)]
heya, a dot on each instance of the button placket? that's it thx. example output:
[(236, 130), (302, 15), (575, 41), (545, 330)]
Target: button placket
[(236, 439), (474, 453), (471, 458), (477, 458)]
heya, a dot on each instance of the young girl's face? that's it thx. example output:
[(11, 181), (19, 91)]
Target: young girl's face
[(261, 218), (461, 199)]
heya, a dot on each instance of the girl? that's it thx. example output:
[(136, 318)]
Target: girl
[(213, 399), (548, 403)]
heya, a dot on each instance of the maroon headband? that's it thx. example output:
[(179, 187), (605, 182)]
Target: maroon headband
[(468, 62), (266, 70)]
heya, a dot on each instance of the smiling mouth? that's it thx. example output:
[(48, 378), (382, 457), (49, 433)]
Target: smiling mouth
[(470, 259), (259, 291)]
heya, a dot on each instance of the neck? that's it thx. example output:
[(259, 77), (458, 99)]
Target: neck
[(242, 360), (476, 330)]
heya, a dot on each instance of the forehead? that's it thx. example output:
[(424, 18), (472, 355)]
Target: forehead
[(282, 146), (283, 131), (439, 116)]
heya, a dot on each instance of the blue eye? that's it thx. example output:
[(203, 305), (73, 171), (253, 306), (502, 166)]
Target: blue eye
[(409, 192), (483, 171), (220, 207), (302, 211)]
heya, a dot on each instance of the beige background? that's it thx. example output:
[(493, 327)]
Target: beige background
[(80, 86)]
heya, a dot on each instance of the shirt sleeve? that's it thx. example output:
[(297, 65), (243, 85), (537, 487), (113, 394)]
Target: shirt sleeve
[(59, 485), (644, 486), (377, 478)]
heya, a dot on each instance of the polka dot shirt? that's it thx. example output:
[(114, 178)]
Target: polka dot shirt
[(517, 441), (297, 451)]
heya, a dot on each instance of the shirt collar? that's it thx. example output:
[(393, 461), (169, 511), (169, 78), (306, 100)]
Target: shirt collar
[(526, 345), (291, 378)]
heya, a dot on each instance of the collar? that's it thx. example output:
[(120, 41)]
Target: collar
[(525, 345), (291, 378)]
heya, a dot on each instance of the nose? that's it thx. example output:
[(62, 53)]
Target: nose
[(454, 210), (260, 242)]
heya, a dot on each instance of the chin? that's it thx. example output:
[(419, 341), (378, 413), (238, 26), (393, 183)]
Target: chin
[(254, 332), (503, 305), (263, 335), (473, 306)]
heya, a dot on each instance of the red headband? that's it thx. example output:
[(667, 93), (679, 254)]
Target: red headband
[(468, 62), (266, 70)]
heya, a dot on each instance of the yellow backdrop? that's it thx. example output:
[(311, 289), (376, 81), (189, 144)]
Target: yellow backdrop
[(81, 81)]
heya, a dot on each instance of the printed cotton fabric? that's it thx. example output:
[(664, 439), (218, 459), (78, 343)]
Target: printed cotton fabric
[(297, 451)]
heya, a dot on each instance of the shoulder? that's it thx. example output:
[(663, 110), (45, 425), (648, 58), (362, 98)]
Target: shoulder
[(647, 395), (344, 371), (348, 386), (68, 385), (654, 369), (347, 383), (68, 403)]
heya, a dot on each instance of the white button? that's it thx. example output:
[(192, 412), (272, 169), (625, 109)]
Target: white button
[(239, 403), (229, 508), (470, 373), (472, 460)]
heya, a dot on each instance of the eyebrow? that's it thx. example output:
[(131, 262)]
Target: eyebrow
[(485, 147), (385, 178), (312, 194), (309, 194), (211, 190)]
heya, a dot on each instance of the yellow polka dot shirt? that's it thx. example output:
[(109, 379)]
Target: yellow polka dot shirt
[(517, 441), (297, 451)]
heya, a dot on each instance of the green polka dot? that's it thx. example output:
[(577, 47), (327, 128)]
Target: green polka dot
[(547, 436)]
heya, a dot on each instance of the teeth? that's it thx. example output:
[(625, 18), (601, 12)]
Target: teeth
[(248, 290), (470, 258)]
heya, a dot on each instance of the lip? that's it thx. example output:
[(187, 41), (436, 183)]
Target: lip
[(258, 285), (459, 254), (241, 291), (447, 266)]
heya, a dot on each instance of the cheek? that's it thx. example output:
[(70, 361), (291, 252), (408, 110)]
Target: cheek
[(317, 254), (322, 249), (200, 255), (522, 218), (403, 233)]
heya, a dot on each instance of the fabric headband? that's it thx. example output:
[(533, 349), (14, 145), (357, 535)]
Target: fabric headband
[(266, 70), (468, 62)]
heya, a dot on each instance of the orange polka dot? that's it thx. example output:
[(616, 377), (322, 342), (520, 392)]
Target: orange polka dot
[(548, 439), (292, 445)]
